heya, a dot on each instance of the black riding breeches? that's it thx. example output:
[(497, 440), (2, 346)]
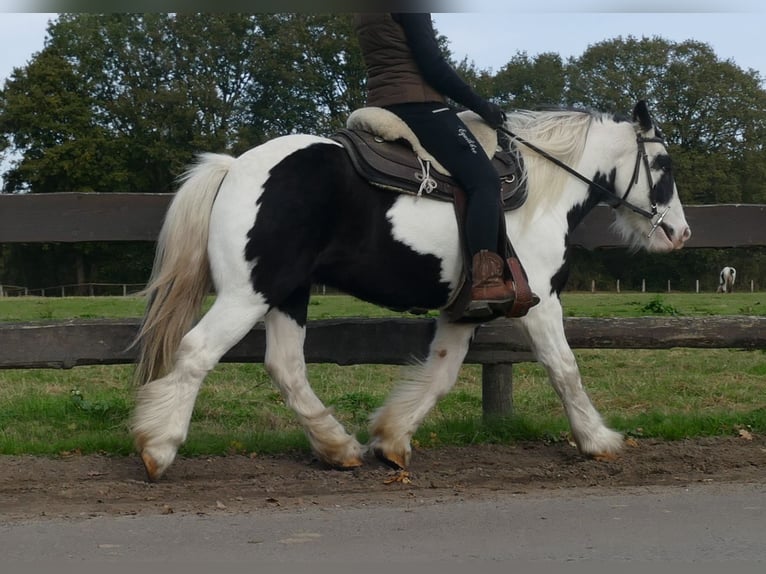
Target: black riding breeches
[(443, 134)]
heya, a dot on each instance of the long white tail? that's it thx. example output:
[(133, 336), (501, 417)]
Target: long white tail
[(180, 278)]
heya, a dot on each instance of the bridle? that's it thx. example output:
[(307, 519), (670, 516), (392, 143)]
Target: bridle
[(612, 199)]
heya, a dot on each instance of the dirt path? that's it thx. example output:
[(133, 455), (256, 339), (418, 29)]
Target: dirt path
[(85, 486)]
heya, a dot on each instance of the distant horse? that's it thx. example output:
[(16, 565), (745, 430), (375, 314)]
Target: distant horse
[(726, 280), (262, 228)]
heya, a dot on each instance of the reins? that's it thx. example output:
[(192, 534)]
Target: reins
[(612, 198)]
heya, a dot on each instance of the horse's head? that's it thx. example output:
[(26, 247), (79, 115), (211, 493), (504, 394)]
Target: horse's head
[(648, 210)]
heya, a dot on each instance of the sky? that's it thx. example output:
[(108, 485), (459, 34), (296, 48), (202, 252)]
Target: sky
[(490, 40), (491, 37)]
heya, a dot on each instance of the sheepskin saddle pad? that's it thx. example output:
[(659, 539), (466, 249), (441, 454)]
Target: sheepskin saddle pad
[(386, 152)]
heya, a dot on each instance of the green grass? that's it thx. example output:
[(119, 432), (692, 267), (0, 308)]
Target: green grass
[(627, 304), (668, 394)]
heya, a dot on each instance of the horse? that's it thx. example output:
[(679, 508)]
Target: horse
[(261, 228), (726, 280)]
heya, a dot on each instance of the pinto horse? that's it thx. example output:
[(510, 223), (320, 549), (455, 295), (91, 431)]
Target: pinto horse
[(263, 227), (726, 280)]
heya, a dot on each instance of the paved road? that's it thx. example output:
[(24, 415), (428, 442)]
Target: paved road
[(702, 523)]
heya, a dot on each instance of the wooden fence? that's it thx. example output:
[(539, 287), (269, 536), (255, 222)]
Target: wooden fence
[(499, 344)]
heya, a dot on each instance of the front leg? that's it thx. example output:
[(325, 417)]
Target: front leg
[(393, 425), (545, 328)]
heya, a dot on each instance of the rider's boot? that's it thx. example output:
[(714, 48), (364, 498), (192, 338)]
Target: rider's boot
[(490, 292)]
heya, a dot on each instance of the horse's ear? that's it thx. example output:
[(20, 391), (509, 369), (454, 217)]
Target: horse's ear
[(642, 116)]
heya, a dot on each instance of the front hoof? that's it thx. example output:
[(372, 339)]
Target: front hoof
[(153, 472), (155, 462)]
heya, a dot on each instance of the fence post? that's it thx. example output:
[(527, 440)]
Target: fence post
[(618, 285), (643, 285), (697, 286), (592, 285), (497, 389)]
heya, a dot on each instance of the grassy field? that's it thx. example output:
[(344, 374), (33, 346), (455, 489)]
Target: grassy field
[(629, 304), (669, 394)]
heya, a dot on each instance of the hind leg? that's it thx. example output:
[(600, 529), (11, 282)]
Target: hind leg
[(286, 364), (393, 425), (164, 406)]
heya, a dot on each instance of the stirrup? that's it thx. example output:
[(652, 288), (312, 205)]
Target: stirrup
[(482, 310)]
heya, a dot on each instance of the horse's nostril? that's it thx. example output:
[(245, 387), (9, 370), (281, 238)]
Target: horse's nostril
[(686, 234)]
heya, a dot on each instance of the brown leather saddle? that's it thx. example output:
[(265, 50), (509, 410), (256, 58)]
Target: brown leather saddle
[(393, 165)]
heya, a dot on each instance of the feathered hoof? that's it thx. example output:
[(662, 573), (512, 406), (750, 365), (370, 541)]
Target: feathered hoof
[(393, 460), (153, 472), (156, 461), (349, 464)]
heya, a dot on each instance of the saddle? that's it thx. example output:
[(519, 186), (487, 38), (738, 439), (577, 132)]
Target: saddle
[(394, 166), (386, 153)]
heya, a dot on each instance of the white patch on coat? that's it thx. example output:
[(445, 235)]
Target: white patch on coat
[(428, 226)]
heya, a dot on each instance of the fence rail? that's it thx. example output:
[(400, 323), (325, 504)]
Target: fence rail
[(82, 217), (388, 341)]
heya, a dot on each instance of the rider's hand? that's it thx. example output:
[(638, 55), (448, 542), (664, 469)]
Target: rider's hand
[(493, 115)]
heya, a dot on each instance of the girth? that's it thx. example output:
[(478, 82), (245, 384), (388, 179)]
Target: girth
[(394, 166)]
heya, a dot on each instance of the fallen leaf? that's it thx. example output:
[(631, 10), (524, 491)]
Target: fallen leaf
[(400, 476), (745, 434), (605, 457)]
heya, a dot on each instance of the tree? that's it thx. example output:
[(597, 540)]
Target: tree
[(56, 155), (310, 77), (528, 83)]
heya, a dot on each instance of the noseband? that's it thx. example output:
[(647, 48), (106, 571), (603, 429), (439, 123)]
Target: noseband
[(612, 198)]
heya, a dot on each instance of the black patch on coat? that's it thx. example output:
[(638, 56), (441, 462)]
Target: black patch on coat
[(574, 217), (319, 223), (663, 190)]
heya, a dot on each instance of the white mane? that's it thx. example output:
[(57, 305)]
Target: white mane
[(560, 133)]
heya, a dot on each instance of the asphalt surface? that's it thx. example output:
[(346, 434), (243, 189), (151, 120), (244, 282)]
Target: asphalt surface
[(705, 523)]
